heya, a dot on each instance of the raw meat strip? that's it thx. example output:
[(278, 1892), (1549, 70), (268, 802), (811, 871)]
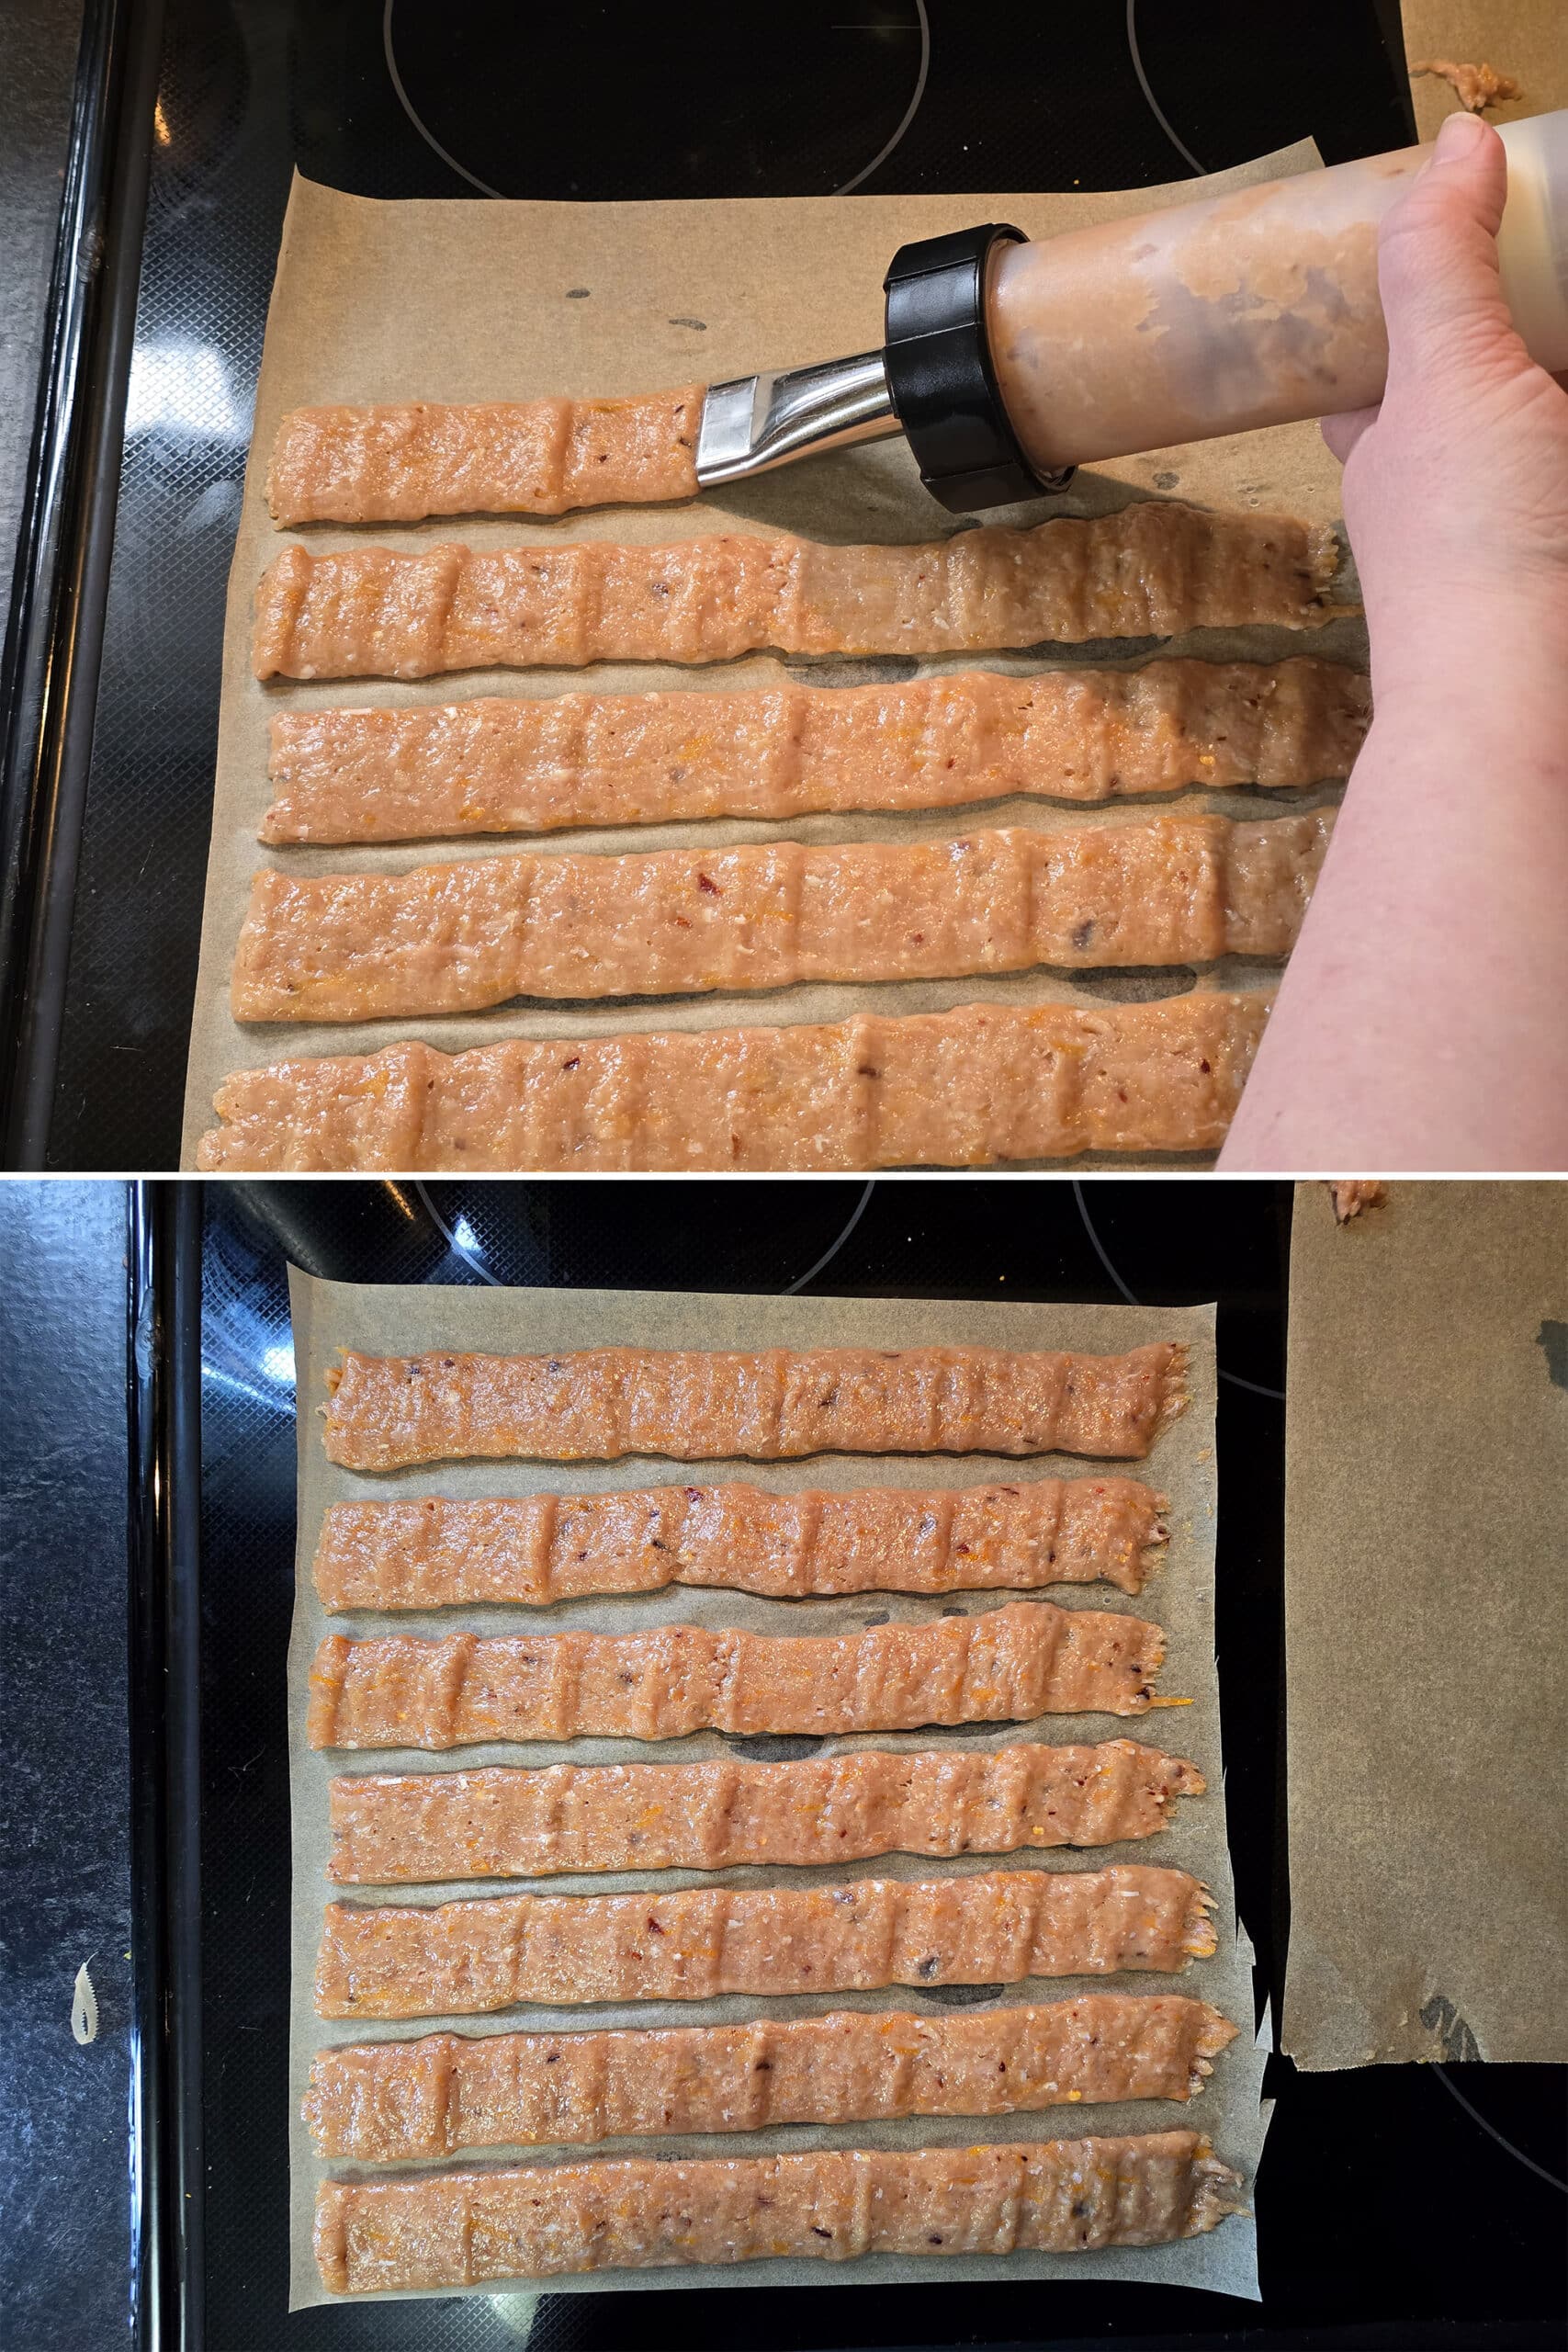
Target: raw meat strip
[(506, 1821), (1007, 1665), (439, 1553), (494, 766), (978, 1086), (390, 2102), (457, 938), (639, 2212), (693, 1943), (1154, 570), (767, 1405), (398, 464)]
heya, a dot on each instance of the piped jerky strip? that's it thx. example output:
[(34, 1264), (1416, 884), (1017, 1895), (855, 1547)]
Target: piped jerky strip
[(765, 1405), (540, 2220), (502, 1821), (1007, 1666), (494, 766), (460, 937), (978, 1086), (694, 1943), (394, 2102), (772, 1404), (439, 1553), (398, 464), (1156, 569)]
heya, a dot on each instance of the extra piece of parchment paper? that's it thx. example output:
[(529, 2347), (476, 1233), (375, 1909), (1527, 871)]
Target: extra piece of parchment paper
[(387, 1321), (1427, 1626), (469, 300)]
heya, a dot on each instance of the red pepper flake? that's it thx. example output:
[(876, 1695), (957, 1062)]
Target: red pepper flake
[(573, 1063), (711, 888)]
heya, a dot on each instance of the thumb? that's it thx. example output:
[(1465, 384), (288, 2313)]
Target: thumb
[(1437, 254), (1343, 431)]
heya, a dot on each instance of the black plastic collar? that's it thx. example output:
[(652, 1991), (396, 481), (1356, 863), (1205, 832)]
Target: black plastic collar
[(941, 377)]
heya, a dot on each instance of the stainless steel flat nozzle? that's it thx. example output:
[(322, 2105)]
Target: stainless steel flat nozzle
[(762, 421), (932, 381)]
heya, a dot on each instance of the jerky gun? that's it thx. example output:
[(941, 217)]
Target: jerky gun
[(1006, 363)]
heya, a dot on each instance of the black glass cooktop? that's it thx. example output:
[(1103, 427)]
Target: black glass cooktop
[(456, 97), (1388, 2215), (825, 97)]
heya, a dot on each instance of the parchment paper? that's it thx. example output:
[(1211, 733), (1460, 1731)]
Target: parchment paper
[(1427, 1626), (328, 1315), (484, 300)]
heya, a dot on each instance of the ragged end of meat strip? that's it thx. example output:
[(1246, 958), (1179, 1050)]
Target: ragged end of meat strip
[(981, 1086), (832, 2204), (391, 2102), (1007, 1665), (1351, 1196), (1475, 87), (776, 752), (476, 932), (400, 463), (766, 1405), (506, 1821), (440, 1552), (1155, 569), (476, 1956)]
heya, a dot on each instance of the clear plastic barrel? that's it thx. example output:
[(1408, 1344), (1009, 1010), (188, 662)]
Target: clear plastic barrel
[(1254, 309)]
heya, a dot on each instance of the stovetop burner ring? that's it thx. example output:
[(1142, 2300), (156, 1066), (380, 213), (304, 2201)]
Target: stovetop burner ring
[(468, 1247), (910, 110), (710, 150), (430, 141)]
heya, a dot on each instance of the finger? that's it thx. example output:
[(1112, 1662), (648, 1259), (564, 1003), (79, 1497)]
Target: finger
[(1342, 433), (1437, 252)]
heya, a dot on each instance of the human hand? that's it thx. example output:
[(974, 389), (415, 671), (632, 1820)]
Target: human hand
[(1456, 487), (1420, 1024)]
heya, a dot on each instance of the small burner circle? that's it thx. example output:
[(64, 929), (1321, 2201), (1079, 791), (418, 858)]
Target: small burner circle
[(596, 103)]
